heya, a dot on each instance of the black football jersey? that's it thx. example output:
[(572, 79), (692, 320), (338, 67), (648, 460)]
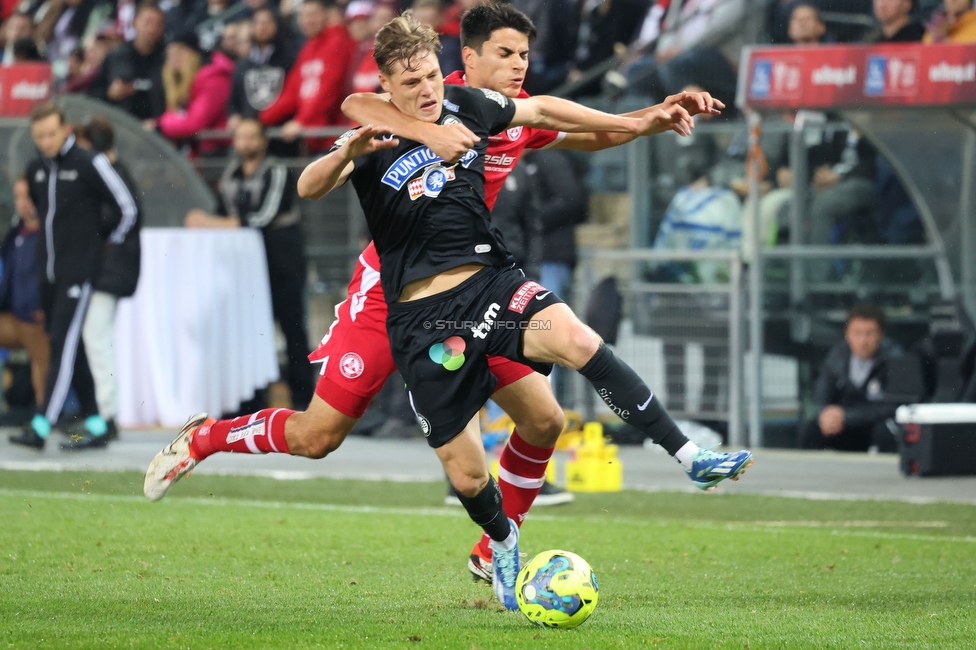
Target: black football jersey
[(425, 216)]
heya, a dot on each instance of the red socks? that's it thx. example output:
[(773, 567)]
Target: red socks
[(521, 473), (259, 433)]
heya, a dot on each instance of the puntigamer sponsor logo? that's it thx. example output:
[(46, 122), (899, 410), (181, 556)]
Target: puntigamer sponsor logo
[(946, 72), (827, 75), (405, 166)]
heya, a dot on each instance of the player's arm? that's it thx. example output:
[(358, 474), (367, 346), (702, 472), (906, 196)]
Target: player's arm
[(677, 112), (332, 170), (449, 141)]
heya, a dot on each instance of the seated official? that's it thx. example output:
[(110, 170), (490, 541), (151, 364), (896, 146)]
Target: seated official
[(256, 191), (849, 395), (21, 317)]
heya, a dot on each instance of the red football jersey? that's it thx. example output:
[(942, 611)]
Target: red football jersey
[(505, 149)]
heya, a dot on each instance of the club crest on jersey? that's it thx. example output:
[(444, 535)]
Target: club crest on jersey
[(431, 183), (414, 160), (514, 133)]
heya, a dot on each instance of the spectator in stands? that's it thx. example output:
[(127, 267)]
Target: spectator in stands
[(18, 26), (131, 76), (117, 278), (364, 75), (312, 94), (954, 23), (897, 24), (260, 76), (517, 215), (184, 15), (698, 44), (21, 317), (806, 27), (25, 51), (64, 30), (196, 90), (235, 41), (95, 51), (258, 192), (220, 14), (588, 36), (849, 395)]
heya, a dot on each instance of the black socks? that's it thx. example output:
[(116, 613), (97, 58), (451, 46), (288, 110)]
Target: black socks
[(485, 509), (629, 397)]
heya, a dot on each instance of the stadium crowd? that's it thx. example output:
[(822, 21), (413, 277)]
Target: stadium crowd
[(189, 65)]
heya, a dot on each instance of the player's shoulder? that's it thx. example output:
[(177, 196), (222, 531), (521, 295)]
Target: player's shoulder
[(463, 96)]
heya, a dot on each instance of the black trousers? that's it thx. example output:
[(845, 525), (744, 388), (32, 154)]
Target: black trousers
[(850, 439), (287, 272), (65, 307)]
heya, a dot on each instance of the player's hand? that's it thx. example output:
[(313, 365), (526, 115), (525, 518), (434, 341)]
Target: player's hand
[(695, 103), (451, 141), (681, 121), (654, 121), (364, 141)]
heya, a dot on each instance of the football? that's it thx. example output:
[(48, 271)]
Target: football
[(557, 589)]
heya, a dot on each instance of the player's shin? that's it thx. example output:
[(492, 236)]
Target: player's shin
[(521, 474), (629, 397), (258, 433), (485, 509)]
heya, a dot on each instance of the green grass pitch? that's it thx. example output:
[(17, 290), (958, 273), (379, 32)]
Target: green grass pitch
[(232, 562)]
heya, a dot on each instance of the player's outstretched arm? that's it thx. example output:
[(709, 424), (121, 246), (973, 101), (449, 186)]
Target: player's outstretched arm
[(449, 141), (679, 108), (330, 171), (557, 114)]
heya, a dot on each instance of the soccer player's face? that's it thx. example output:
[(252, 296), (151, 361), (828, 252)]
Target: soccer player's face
[(50, 135), (502, 64), (419, 91)]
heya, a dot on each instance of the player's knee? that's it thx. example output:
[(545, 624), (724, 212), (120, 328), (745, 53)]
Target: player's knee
[(583, 344), (544, 427), (323, 445), (470, 485), (314, 441)]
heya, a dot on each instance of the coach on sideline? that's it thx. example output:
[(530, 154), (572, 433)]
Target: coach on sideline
[(69, 187)]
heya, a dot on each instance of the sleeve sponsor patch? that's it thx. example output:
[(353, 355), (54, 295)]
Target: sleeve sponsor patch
[(520, 299), (495, 96)]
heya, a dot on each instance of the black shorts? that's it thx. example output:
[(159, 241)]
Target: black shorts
[(441, 345)]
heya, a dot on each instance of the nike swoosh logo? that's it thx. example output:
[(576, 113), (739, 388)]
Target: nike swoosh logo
[(644, 405), (542, 295)]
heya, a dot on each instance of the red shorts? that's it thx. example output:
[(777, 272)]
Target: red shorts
[(355, 354)]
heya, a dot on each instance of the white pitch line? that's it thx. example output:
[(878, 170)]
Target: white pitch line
[(774, 527)]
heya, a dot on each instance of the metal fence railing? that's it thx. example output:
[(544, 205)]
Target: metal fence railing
[(685, 340)]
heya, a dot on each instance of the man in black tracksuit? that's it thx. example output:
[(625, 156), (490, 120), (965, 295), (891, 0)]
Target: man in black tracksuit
[(257, 192), (69, 187)]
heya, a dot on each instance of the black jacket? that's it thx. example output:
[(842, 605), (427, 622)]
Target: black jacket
[(69, 192), (863, 406), (517, 217), (120, 262), (258, 81), (560, 192), (144, 72)]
